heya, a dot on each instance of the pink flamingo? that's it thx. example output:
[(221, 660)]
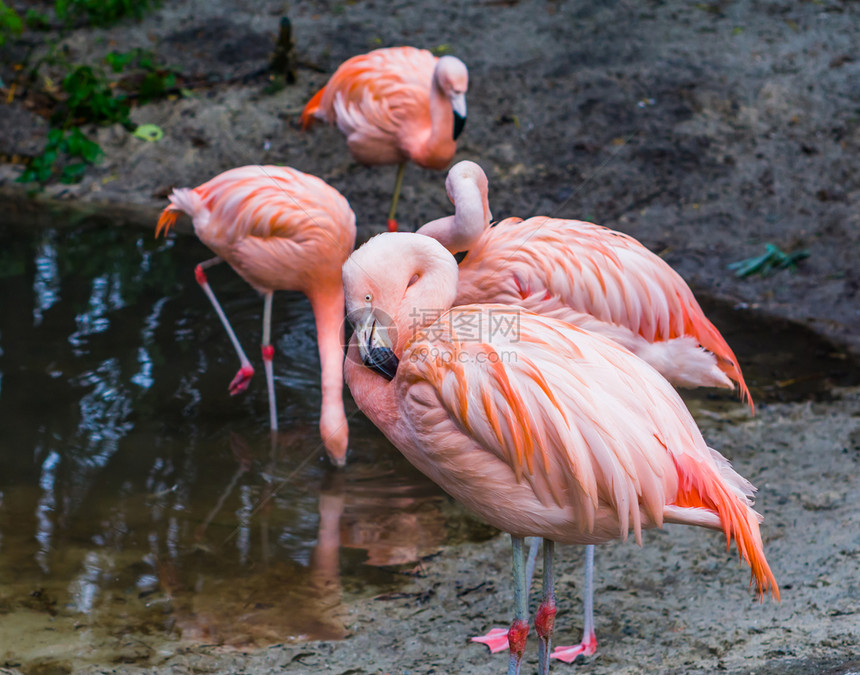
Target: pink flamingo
[(541, 428), (395, 105), (595, 278), (279, 229)]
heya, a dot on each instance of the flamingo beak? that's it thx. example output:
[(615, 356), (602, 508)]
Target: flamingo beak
[(458, 103), (375, 347)]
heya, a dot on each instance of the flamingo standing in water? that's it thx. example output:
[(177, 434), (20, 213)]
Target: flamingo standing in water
[(280, 229), (542, 428), (595, 278), (396, 105)]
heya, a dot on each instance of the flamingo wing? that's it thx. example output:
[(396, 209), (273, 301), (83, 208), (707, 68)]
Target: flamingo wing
[(379, 97), (584, 422), (278, 227), (544, 262), (575, 415)]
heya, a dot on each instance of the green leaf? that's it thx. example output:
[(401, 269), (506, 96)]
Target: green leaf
[(10, 22), (37, 20), (72, 173), (119, 60), (149, 132)]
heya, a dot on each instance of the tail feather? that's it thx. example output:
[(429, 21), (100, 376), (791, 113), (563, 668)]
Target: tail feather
[(712, 340), (311, 109), (700, 487), (183, 200)]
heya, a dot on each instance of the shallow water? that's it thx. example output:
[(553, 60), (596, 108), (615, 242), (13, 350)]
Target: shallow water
[(141, 505), (139, 502)]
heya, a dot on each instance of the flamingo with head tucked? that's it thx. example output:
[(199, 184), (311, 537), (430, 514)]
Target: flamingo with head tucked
[(590, 276), (280, 229), (594, 277), (396, 105), (542, 428)]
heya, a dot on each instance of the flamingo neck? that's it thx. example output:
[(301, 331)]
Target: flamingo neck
[(438, 145), (374, 395), (471, 217), (329, 316)]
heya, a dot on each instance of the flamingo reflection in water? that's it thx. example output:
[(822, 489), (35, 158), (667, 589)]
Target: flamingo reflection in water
[(396, 518)]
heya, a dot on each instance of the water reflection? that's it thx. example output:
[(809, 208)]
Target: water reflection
[(46, 284), (141, 505)]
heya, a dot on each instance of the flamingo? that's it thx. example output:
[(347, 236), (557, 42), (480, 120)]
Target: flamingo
[(540, 427), (396, 105), (588, 275), (595, 278), (279, 229)]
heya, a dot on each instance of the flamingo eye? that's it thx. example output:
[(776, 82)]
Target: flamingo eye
[(412, 280), (368, 297)]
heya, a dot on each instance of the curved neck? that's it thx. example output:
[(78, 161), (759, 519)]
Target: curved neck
[(327, 305), (374, 395), (471, 217), (434, 147)]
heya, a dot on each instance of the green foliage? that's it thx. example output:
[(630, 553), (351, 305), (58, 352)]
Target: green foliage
[(37, 20), (75, 145), (90, 92), (101, 12), (10, 23), (156, 79), (91, 97)]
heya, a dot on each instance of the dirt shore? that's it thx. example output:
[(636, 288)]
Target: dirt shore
[(705, 130)]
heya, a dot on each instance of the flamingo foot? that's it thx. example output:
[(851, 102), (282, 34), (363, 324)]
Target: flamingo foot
[(242, 380), (392, 225), (587, 647), (496, 640)]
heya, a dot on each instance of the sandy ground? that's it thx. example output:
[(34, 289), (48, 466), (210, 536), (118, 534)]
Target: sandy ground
[(704, 130)]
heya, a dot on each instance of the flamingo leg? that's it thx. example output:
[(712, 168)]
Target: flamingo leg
[(268, 354), (497, 638), (398, 183), (519, 630), (246, 371), (589, 641), (545, 618)]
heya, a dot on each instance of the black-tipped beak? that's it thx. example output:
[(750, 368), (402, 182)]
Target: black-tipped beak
[(459, 124), (382, 360)]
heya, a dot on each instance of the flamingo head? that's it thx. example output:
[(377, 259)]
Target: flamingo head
[(452, 77), (396, 284)]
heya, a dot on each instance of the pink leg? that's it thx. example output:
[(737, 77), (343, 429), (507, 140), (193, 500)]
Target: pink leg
[(519, 631), (246, 371), (588, 646), (497, 638), (268, 354), (545, 618)]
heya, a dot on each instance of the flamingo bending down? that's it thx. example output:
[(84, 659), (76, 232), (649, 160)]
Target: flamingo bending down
[(590, 276), (542, 428), (280, 229), (395, 105)]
